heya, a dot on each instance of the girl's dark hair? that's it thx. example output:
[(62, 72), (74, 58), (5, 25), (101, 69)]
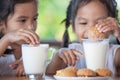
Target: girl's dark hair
[(7, 8), (67, 24), (73, 7)]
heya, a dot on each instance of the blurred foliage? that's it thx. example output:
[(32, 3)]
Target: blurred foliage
[(51, 13)]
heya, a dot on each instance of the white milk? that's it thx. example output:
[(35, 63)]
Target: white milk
[(34, 58), (95, 53)]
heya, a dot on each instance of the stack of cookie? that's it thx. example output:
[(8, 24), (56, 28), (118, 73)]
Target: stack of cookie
[(74, 72)]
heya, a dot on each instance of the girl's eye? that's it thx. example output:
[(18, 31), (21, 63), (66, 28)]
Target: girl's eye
[(35, 19), (83, 23), (23, 20)]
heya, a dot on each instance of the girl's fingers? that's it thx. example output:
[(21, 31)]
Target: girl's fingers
[(27, 40), (18, 67), (19, 70), (100, 26), (19, 73), (107, 28), (24, 38), (70, 56), (35, 36), (29, 36), (73, 58), (14, 65), (66, 54), (34, 39), (77, 53), (108, 24), (103, 28), (23, 73), (62, 56)]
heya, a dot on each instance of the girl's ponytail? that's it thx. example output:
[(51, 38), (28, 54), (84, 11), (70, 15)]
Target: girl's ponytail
[(67, 24), (65, 38)]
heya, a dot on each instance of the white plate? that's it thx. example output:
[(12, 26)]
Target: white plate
[(80, 78)]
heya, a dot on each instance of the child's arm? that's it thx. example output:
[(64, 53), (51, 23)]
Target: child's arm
[(3, 44), (118, 35), (116, 32), (117, 62), (61, 59), (55, 64), (18, 37)]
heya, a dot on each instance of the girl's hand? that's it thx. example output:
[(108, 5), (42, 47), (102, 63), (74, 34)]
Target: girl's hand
[(17, 66), (69, 56), (109, 25), (22, 36)]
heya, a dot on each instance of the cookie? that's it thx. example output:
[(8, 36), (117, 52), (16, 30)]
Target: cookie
[(68, 72), (103, 72), (72, 69), (86, 73), (94, 34)]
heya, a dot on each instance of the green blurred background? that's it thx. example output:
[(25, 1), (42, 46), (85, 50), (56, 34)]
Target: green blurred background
[(51, 13)]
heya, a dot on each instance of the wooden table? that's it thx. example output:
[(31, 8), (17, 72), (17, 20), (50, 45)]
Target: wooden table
[(46, 78), (22, 78), (12, 78)]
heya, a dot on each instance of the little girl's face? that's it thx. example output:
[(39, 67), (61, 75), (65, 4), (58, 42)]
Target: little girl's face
[(87, 16), (24, 16)]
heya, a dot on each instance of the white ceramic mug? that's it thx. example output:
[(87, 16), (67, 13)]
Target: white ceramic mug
[(95, 53)]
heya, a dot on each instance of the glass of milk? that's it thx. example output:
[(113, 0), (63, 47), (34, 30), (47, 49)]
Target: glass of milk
[(95, 53), (35, 60)]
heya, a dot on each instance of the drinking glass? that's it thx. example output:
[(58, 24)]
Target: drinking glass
[(95, 53), (35, 60)]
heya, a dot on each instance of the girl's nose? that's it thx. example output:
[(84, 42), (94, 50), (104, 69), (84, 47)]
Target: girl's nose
[(31, 27)]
